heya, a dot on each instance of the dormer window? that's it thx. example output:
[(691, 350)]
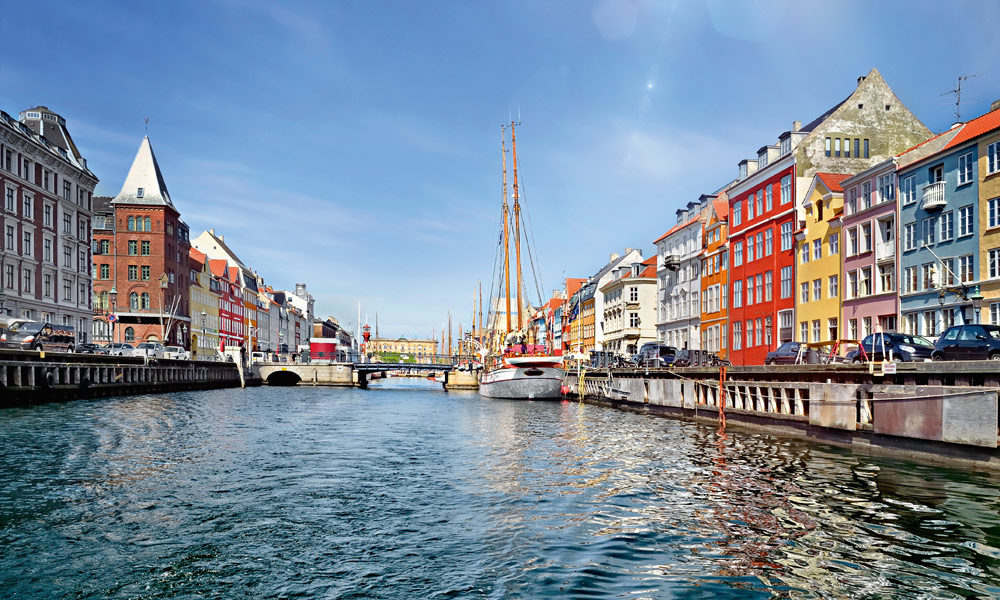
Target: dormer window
[(786, 145), (139, 193), (762, 159), (743, 170)]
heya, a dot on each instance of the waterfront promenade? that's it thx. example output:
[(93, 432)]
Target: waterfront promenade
[(406, 491)]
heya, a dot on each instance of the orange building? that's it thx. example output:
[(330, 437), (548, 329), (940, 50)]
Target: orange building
[(715, 276)]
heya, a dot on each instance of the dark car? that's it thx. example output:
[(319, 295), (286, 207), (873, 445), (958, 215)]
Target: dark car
[(968, 342), (786, 354), (893, 346), (656, 355), (34, 335), (87, 348)]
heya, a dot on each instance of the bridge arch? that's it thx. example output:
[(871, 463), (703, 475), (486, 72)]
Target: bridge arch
[(283, 378)]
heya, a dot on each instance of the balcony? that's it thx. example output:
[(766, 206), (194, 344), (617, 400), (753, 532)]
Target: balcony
[(933, 196), (631, 332), (885, 251)]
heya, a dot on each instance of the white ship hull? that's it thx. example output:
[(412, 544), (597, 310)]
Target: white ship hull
[(522, 383)]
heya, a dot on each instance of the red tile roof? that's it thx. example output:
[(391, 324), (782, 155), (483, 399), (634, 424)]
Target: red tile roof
[(832, 180), (197, 256), (219, 267), (976, 128), (926, 148), (677, 227), (721, 207), (649, 272), (650, 261)]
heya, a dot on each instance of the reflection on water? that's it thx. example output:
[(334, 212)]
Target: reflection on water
[(403, 491)]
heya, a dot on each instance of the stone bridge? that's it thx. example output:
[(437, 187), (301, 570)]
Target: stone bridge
[(355, 374)]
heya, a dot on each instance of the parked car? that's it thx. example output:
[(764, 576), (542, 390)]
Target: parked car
[(87, 348), (258, 357), (40, 335), (893, 346), (653, 354), (786, 354), (176, 353), (120, 349), (968, 342), (149, 349)]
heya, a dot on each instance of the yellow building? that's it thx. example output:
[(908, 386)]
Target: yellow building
[(581, 322), (412, 349), (989, 228), (204, 303), (817, 256)]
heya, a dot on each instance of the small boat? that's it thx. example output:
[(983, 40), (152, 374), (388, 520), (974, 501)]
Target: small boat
[(524, 377)]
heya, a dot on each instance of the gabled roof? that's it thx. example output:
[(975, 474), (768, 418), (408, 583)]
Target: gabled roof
[(219, 268), (144, 183), (832, 180), (721, 207), (677, 227), (926, 148), (976, 128), (197, 257), (650, 261)]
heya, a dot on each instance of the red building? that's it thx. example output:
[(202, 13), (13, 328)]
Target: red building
[(143, 248), (231, 327)]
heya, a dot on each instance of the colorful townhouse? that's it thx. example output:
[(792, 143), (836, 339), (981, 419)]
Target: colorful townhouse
[(817, 274), (869, 248), (867, 127), (942, 216), (230, 304), (630, 307), (988, 171), (679, 278), (715, 276), (204, 291), (571, 289)]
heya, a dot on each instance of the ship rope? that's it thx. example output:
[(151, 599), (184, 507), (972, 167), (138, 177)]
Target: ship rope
[(530, 232)]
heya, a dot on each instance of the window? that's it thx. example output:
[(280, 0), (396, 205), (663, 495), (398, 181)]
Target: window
[(786, 189), (886, 188), (852, 284), (759, 332), (145, 248), (147, 224), (768, 242), (831, 328), (866, 148), (750, 299), (995, 313), (633, 294), (852, 241), (47, 250), (768, 204), (965, 163), (760, 245), (105, 271), (738, 293), (131, 223), (804, 331), (994, 263), (828, 145), (929, 230), (9, 199), (750, 253), (129, 334), (994, 210), (866, 326), (928, 276), (907, 190), (866, 281), (749, 333), (768, 284), (851, 206), (836, 147), (930, 323), (760, 288), (105, 246), (768, 325), (817, 249), (47, 285), (847, 148), (786, 282), (750, 212), (965, 269), (47, 215), (804, 291), (866, 195), (992, 157), (26, 248), (852, 329), (760, 202), (817, 289), (834, 286), (965, 222), (133, 248), (28, 277), (737, 213), (910, 279), (738, 254), (834, 244), (947, 225), (133, 273), (886, 275), (817, 335), (804, 253), (144, 300), (786, 236), (909, 236), (27, 211), (737, 336)]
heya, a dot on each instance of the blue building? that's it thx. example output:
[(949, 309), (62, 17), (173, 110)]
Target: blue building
[(938, 233)]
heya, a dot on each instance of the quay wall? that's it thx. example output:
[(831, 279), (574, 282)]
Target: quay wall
[(31, 377), (932, 412)]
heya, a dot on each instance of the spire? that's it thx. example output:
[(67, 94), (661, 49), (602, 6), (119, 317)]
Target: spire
[(144, 183)]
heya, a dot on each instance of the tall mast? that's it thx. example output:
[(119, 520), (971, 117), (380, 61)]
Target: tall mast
[(517, 225), (481, 326), (506, 233), (449, 333)]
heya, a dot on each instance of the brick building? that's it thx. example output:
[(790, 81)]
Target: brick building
[(141, 259), (45, 220)]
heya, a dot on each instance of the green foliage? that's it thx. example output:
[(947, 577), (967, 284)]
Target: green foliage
[(394, 357)]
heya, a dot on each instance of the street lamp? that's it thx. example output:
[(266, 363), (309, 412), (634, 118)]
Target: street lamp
[(977, 302), (113, 294)]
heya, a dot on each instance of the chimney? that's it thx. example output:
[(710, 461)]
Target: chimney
[(796, 125), (614, 257), (995, 105), (222, 238), (860, 79), (628, 250), (211, 231)]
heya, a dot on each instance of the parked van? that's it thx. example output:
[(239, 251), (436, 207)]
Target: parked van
[(40, 335)]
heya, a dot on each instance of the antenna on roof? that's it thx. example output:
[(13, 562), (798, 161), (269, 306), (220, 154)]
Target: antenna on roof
[(958, 95), (147, 125)]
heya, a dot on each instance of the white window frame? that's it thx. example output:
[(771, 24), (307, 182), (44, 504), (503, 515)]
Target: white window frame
[(966, 168)]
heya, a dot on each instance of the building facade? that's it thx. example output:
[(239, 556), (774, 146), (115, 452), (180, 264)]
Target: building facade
[(205, 293), (144, 249), (45, 222), (715, 276), (817, 275), (988, 173), (630, 308), (679, 278)]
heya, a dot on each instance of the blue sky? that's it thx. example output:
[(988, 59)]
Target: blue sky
[(355, 145)]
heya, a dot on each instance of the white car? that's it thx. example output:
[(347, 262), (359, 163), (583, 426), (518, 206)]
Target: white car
[(149, 349), (176, 353), (120, 349)]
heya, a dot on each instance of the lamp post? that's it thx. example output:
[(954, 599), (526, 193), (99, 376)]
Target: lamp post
[(977, 302), (113, 294)]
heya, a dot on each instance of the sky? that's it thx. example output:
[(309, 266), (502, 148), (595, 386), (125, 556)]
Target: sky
[(355, 145)]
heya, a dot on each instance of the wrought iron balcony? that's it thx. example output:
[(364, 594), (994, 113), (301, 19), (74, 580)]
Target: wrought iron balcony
[(933, 196)]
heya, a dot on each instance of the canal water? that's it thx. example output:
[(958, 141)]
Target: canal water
[(404, 491)]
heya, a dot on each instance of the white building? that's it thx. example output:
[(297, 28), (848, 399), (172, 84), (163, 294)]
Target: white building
[(679, 279), (630, 308), (630, 257), (45, 222)]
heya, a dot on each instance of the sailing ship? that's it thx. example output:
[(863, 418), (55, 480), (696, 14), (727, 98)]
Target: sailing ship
[(513, 369)]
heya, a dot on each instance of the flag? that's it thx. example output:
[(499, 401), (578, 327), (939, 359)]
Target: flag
[(575, 311)]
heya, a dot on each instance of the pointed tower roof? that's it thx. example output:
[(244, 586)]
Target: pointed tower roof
[(144, 183)]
